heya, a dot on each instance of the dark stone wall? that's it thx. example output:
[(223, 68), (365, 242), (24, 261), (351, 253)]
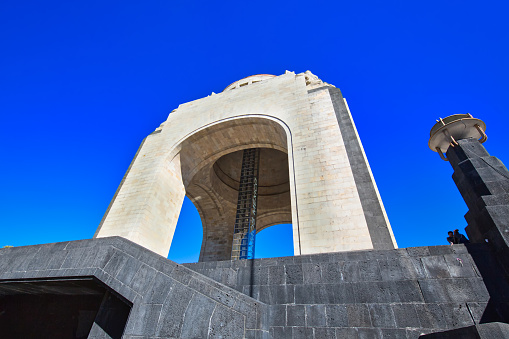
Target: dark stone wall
[(385, 293), (168, 300), (361, 294), (480, 331)]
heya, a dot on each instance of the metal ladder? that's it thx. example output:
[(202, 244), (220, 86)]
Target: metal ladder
[(244, 232)]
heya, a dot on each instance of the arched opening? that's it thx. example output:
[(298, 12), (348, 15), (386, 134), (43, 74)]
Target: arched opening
[(211, 160), (275, 241), (187, 239)]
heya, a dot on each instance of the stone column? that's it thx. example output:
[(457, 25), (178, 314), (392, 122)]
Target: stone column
[(483, 182)]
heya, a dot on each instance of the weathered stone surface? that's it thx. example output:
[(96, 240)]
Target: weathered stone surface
[(317, 176), (166, 300), (316, 297)]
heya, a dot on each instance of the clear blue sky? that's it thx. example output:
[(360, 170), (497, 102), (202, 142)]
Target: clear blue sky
[(83, 82)]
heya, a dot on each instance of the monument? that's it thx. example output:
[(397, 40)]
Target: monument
[(268, 150), (313, 171)]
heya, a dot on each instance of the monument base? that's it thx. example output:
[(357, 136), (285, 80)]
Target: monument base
[(113, 288)]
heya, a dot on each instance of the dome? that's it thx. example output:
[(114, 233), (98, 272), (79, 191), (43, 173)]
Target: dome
[(249, 80)]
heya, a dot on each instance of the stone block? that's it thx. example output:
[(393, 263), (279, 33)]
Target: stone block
[(324, 333), (430, 315), (260, 275), (343, 293), (302, 332), (295, 315), (143, 280), (407, 291), (281, 332), (281, 294), (115, 264), (251, 312), (493, 330), (320, 258), (369, 333), (391, 270), (456, 315), (277, 315), (369, 271), (382, 315), (244, 276), (147, 317), (394, 333), (347, 333), (478, 310), (460, 265), (182, 274), (330, 273), (315, 315), (440, 250), (405, 315), (160, 288), (276, 275), (311, 273), (226, 323), (293, 274), (197, 317), (173, 311), (466, 289), (436, 267), (350, 271), (322, 294), (304, 294), (336, 315), (358, 315), (129, 270)]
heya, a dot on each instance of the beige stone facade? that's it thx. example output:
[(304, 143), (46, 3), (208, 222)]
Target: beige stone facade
[(311, 176)]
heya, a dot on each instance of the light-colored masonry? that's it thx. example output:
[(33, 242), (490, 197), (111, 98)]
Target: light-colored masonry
[(292, 116)]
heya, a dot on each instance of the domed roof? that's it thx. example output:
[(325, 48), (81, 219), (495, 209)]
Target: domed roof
[(249, 80)]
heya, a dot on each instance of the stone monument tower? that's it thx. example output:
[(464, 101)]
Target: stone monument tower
[(265, 151)]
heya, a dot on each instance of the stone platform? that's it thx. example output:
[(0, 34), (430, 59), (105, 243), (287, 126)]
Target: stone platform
[(402, 293)]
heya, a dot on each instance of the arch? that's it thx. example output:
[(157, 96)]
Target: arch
[(199, 154), (334, 205)]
